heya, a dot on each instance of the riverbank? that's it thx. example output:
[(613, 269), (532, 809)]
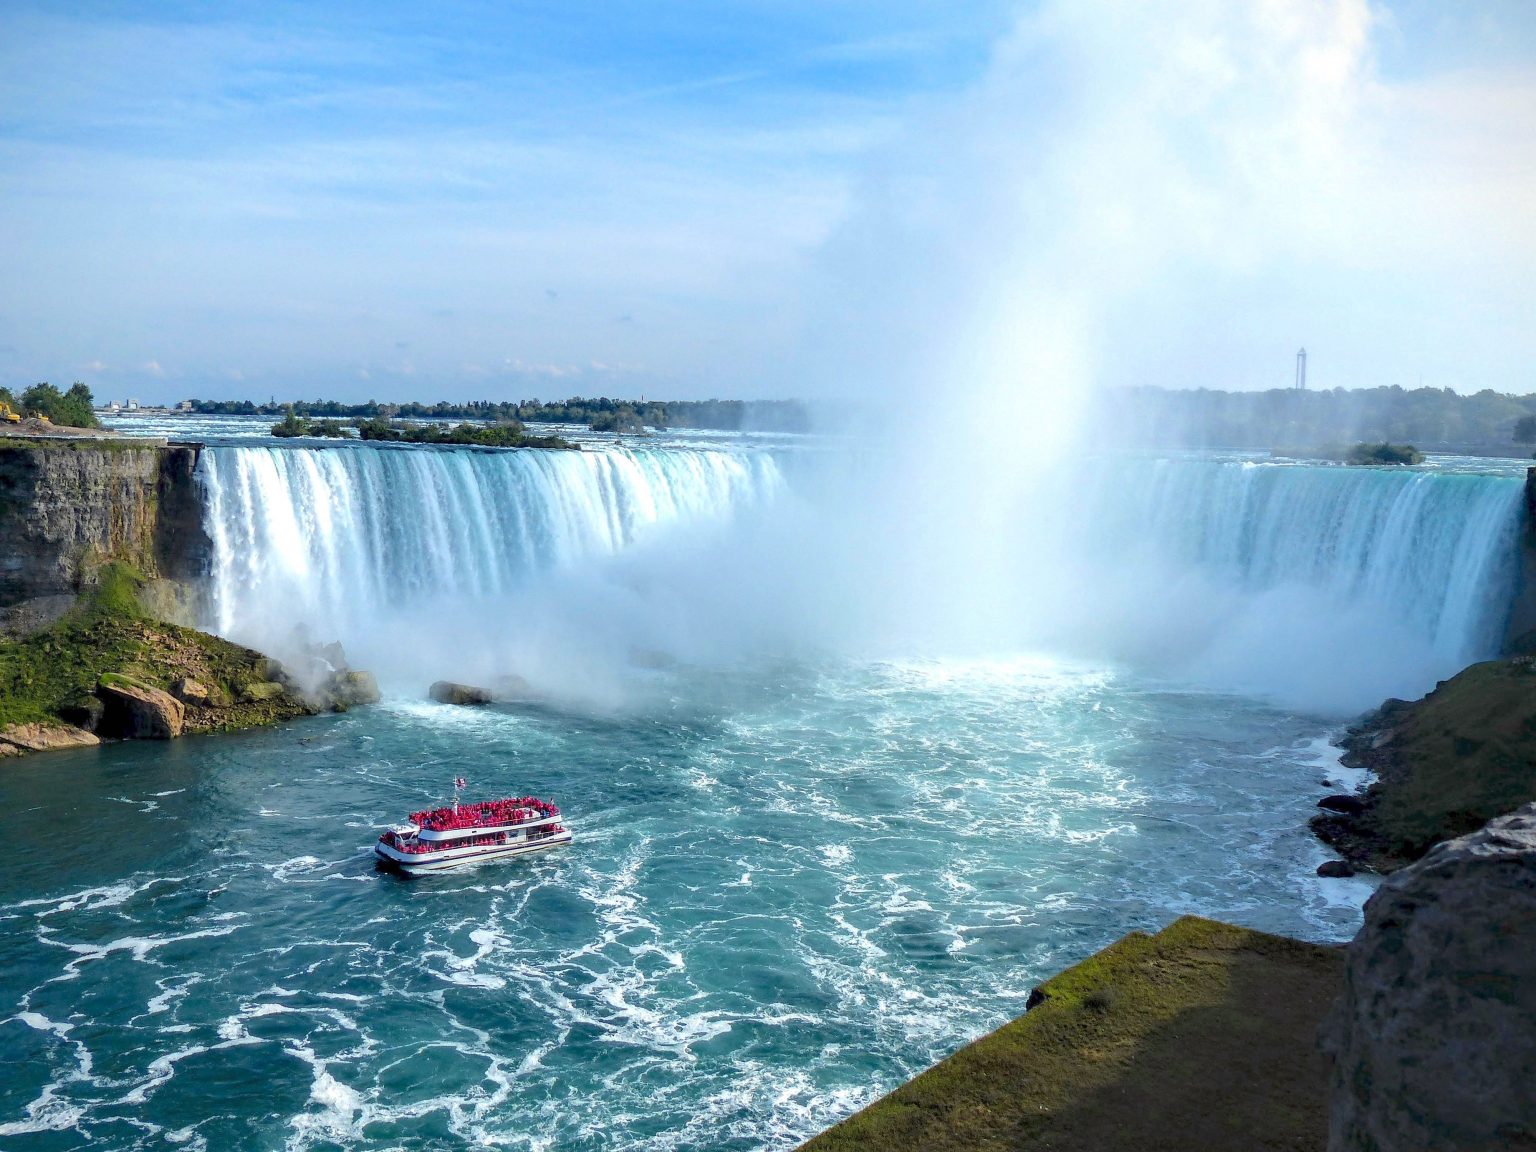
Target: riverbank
[(1444, 766), (1201, 1036)]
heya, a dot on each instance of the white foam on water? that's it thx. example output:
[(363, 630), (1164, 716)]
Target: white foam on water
[(139, 947), (836, 853), (339, 1117), (50, 1111)]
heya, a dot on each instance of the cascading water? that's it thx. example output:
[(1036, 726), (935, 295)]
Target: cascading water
[(336, 537), (1368, 580), (1323, 587)]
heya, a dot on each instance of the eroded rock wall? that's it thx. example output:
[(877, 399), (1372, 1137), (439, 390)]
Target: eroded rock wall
[(68, 507)]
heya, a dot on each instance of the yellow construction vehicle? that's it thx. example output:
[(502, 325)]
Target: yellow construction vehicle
[(9, 414)]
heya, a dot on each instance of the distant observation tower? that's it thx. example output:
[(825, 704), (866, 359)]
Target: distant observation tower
[(1301, 370)]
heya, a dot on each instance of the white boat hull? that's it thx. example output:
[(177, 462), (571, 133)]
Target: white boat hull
[(417, 863)]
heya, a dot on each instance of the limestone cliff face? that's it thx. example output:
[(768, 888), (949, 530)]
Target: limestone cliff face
[(67, 507)]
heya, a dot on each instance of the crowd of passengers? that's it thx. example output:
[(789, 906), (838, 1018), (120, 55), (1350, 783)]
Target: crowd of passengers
[(486, 812)]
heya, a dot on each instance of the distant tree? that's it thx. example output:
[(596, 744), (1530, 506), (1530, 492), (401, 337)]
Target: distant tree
[(1525, 430), (72, 409), (1385, 454)]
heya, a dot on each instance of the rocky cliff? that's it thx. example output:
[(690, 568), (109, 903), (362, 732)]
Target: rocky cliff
[(68, 507), (1434, 1037), (1443, 765)]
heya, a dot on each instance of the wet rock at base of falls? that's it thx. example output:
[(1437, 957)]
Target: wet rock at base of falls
[(1336, 869), (348, 689), (448, 692), (1433, 1040)]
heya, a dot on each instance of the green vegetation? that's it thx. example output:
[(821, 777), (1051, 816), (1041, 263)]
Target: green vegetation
[(1200, 418), (1385, 454), (72, 409), (295, 425), (508, 434), (1202, 1036), (1445, 765), (727, 415), (627, 421), (107, 633)]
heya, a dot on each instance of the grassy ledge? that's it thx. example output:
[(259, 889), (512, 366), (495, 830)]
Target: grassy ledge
[(1202, 1036), (108, 634)]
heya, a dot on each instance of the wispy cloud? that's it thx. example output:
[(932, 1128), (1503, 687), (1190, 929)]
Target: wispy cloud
[(299, 191)]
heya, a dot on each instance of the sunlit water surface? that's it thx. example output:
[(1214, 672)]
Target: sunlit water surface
[(791, 888)]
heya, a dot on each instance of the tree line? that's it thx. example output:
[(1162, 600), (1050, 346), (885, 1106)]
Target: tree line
[(601, 413), (1286, 417)]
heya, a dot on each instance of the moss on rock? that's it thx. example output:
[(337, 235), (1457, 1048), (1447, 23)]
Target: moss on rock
[(1445, 765), (1202, 1036), (44, 677)]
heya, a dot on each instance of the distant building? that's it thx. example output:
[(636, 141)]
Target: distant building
[(1301, 370)]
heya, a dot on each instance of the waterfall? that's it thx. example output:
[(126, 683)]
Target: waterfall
[(1325, 587), (1386, 578), (335, 537)]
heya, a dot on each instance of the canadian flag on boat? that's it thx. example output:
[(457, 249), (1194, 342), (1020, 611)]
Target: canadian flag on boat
[(460, 782)]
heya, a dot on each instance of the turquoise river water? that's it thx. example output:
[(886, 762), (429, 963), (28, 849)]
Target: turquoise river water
[(796, 880)]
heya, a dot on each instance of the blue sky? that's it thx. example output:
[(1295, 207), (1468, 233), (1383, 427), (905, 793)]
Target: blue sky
[(689, 199)]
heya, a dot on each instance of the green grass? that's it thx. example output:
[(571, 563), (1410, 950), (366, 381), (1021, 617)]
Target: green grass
[(1202, 1036), (108, 634)]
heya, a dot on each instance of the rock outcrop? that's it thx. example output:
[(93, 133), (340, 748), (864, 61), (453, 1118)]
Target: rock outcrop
[(1445, 765), (139, 711), (448, 692), (43, 738), (69, 506), (348, 689), (1433, 1041)]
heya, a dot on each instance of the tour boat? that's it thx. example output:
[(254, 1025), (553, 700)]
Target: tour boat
[(437, 839)]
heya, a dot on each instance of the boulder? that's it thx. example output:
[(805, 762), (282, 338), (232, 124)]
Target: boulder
[(349, 689), (190, 691), (1336, 869), (1433, 1040), (1348, 805), (46, 737), (139, 711), (447, 692), (261, 690)]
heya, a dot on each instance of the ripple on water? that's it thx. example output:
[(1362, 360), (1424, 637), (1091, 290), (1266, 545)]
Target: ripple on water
[(771, 911)]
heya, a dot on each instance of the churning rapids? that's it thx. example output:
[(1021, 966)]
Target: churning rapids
[(798, 877)]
